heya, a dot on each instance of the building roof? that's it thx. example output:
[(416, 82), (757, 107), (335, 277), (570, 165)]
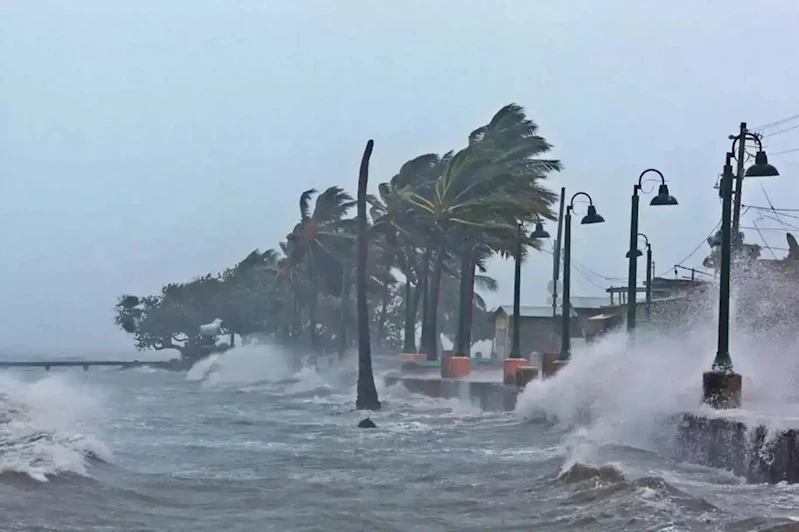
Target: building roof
[(529, 311), (589, 302)]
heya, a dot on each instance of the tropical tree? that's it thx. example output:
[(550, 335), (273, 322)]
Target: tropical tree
[(485, 190), (315, 247)]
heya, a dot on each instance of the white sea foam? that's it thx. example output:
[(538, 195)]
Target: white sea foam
[(244, 365), (48, 427), (612, 392)]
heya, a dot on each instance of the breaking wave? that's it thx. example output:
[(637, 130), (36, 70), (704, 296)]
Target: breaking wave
[(250, 364), (48, 428)]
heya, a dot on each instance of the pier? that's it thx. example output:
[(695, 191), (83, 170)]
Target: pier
[(173, 365)]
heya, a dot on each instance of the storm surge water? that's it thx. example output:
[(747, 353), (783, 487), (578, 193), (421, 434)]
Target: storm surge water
[(48, 428), (260, 438)]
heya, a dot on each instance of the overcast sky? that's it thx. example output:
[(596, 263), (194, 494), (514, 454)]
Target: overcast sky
[(147, 142)]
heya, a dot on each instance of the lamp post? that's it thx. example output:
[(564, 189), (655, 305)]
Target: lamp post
[(590, 218), (761, 168), (663, 198), (721, 386), (538, 233), (649, 267)]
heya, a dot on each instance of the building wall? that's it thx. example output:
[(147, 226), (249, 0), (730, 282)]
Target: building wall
[(535, 335)]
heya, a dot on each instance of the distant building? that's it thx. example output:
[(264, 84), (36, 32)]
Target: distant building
[(540, 332), (675, 302)]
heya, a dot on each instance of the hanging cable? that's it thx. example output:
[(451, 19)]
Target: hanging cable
[(776, 123)]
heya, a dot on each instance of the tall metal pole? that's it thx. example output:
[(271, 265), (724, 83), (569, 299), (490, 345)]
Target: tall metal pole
[(556, 261), (648, 282), (515, 351), (739, 182), (565, 328), (632, 280), (723, 362)]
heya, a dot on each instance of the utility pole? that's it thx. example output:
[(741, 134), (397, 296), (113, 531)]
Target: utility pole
[(556, 262), (739, 182)]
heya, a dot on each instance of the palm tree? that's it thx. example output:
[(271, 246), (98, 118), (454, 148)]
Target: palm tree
[(367, 392), (394, 221), (486, 190), (317, 243)]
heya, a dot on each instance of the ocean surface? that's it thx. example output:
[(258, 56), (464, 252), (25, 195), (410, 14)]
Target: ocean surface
[(246, 442)]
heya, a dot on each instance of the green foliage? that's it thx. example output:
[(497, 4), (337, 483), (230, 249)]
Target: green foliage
[(434, 204)]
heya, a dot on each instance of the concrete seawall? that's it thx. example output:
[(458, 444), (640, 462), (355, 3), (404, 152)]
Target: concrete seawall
[(489, 396), (742, 447), (747, 451)]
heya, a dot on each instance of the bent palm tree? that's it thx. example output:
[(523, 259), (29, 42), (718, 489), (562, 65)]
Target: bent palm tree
[(367, 392), (317, 243)]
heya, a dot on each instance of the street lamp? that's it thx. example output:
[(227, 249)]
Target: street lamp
[(538, 233), (648, 274), (761, 168), (721, 386), (590, 218), (663, 198)]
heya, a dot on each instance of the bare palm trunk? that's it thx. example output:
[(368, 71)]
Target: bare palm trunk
[(312, 310), (345, 296), (367, 392), (467, 341), (409, 344), (425, 287), (381, 322), (433, 337)]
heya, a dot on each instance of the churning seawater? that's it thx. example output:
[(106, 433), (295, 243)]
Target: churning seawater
[(242, 442)]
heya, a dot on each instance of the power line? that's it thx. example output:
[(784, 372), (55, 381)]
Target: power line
[(781, 131), (773, 209), (776, 122), (784, 151), (780, 229), (765, 242), (702, 243)]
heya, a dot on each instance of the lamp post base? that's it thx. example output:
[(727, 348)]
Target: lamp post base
[(721, 390)]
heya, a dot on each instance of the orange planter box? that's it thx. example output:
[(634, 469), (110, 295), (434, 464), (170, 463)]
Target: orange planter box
[(509, 366), (460, 366)]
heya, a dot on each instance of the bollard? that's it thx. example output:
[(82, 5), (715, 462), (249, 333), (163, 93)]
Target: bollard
[(525, 374), (509, 366), (459, 367), (721, 390), (549, 364)]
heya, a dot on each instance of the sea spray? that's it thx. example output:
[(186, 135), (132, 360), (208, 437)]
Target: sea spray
[(612, 392), (244, 365), (49, 427)]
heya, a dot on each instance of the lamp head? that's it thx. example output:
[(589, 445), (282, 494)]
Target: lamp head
[(761, 168), (638, 253), (592, 217), (663, 197), (539, 232)]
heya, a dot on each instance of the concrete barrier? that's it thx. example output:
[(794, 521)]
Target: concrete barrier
[(748, 452), (489, 396), (459, 367), (524, 375)]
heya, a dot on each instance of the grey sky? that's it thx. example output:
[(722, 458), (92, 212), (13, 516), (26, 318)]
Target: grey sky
[(147, 142)]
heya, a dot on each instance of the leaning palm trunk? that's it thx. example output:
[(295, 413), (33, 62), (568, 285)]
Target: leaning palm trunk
[(381, 323), (411, 302), (367, 392), (467, 341), (425, 287), (312, 312), (433, 339)]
